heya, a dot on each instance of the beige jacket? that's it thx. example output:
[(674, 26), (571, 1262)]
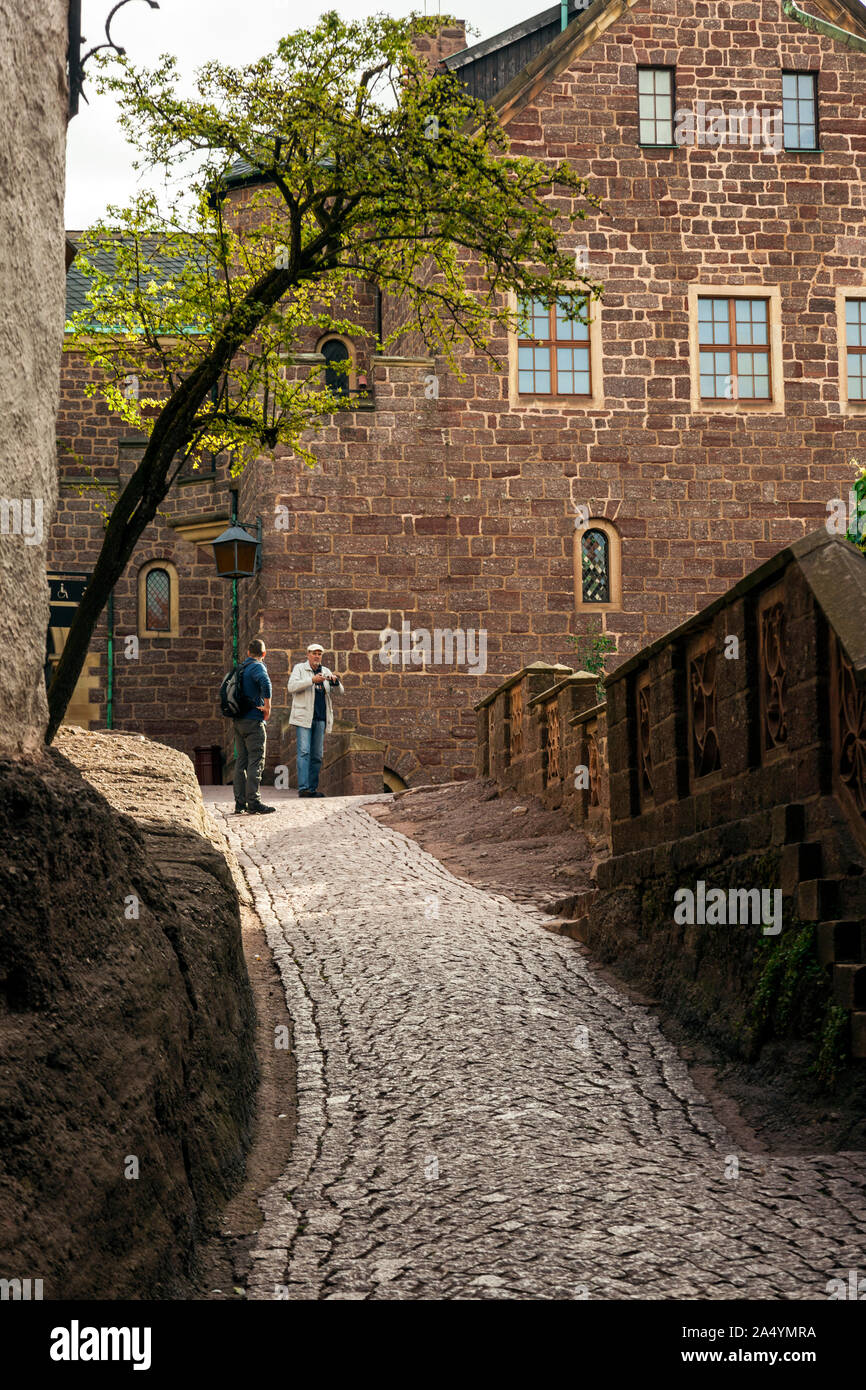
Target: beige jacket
[(302, 691)]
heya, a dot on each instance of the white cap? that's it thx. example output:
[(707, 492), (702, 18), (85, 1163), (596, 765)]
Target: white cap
[(315, 647)]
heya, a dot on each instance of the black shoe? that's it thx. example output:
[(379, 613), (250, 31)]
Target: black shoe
[(305, 793), (240, 808), (315, 793), (258, 808)]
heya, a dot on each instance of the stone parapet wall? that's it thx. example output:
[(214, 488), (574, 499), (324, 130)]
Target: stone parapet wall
[(735, 748), (542, 732)]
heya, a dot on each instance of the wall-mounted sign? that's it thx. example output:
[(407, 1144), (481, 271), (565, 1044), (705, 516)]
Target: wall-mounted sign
[(65, 593)]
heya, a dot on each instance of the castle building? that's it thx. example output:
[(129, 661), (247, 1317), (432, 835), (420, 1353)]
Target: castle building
[(612, 478)]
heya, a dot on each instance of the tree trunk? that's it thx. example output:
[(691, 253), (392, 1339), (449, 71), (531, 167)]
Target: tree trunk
[(121, 538), (147, 488)]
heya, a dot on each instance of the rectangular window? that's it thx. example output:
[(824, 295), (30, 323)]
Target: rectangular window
[(855, 348), (553, 350), (800, 110), (655, 96), (734, 349)]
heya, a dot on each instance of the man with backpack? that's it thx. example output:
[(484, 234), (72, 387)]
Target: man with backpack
[(252, 698)]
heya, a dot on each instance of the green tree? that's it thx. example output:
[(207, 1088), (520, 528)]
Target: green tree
[(857, 524), (372, 170)]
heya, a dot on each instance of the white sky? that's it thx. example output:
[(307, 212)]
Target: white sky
[(234, 31)]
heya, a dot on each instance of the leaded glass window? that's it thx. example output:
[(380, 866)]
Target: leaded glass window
[(595, 567), (158, 601)]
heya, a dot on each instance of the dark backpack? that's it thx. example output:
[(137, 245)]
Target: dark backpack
[(233, 702)]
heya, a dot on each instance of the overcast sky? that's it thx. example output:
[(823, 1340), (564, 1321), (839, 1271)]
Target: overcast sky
[(233, 31)]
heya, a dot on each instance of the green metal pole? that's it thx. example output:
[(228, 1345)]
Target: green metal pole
[(234, 497), (109, 696), (234, 622)]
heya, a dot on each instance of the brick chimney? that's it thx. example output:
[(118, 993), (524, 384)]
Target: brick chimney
[(451, 38)]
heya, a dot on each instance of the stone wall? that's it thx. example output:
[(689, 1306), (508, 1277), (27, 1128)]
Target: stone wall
[(543, 733), (32, 156), (735, 749), (163, 685), (448, 501)]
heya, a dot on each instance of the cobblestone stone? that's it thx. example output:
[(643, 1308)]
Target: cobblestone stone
[(481, 1117)]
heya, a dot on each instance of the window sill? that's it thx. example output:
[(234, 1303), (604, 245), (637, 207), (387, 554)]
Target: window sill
[(806, 149), (208, 477), (363, 403), (738, 408), (659, 147)]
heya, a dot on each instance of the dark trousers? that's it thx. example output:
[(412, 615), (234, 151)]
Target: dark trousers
[(251, 740)]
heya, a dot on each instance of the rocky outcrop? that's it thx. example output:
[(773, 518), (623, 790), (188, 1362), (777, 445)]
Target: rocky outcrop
[(126, 1021)]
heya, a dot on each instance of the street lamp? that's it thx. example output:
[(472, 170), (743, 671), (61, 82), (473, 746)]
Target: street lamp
[(238, 555)]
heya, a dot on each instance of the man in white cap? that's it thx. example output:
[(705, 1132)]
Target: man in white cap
[(311, 686)]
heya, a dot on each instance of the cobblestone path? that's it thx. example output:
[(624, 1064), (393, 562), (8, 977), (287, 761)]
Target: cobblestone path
[(481, 1117)]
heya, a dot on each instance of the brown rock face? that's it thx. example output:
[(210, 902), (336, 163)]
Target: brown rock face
[(127, 1086)]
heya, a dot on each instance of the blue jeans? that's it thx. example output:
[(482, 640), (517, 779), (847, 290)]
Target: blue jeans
[(311, 744)]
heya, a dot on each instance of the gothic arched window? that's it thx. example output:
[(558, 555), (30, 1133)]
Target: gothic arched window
[(597, 566), (157, 600), (158, 591)]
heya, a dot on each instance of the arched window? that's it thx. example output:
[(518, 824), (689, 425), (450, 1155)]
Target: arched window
[(157, 599), (157, 587), (597, 566), (338, 378)]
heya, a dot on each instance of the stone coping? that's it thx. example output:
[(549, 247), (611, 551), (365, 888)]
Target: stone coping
[(578, 678), (518, 675), (835, 571), (583, 716)]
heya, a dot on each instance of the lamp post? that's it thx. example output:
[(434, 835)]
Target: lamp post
[(238, 555)]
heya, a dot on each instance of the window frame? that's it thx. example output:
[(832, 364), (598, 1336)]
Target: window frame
[(614, 557), (814, 75), (657, 144), (849, 293), (173, 629), (734, 348), (553, 344), (351, 376), (774, 404)]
